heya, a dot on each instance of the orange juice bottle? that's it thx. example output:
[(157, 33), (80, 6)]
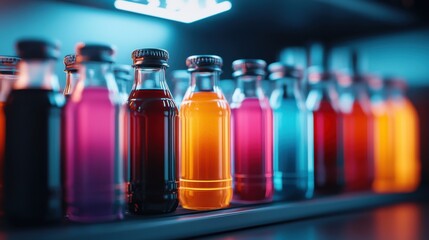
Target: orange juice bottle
[(8, 71), (205, 166), (406, 145), (384, 180)]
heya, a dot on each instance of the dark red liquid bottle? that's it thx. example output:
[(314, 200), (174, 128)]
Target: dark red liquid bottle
[(326, 128), (153, 137)]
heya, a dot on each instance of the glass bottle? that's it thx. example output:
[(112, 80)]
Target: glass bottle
[(357, 132), (293, 166), (180, 79), (324, 128), (124, 81), (252, 133), (94, 181), (406, 159), (33, 121), (8, 76), (384, 173), (205, 170), (154, 136), (72, 76)]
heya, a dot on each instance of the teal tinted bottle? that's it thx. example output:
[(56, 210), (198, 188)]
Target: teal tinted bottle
[(293, 162)]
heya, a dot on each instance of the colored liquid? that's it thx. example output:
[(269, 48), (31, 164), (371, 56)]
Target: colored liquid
[(154, 129), (406, 146), (328, 168), (94, 186), (205, 180), (2, 142), (253, 145), (383, 149), (292, 173), (358, 149), (32, 156)]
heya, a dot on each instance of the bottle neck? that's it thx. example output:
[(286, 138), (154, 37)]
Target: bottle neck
[(97, 74), (288, 87), (37, 74), (6, 82), (323, 90), (71, 80), (204, 81), (150, 78), (250, 86)]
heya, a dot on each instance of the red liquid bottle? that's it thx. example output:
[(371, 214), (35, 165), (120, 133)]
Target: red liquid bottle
[(252, 130), (154, 129), (357, 133), (328, 165)]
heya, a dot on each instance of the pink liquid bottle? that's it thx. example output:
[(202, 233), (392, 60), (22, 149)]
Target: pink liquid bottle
[(252, 128), (94, 184)]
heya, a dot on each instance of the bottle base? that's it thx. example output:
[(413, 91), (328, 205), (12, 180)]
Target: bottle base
[(152, 207), (205, 199)]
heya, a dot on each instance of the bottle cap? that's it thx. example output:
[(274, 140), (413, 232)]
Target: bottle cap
[(38, 49), (8, 65), (202, 63), (94, 53), (252, 67), (150, 57), (122, 72), (280, 70), (70, 63)]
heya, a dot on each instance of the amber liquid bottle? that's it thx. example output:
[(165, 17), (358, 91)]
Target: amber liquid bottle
[(154, 129), (205, 167)]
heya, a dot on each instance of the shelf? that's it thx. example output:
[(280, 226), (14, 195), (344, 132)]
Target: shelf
[(184, 223)]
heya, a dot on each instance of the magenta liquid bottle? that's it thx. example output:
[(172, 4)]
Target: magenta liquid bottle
[(252, 131), (94, 181)]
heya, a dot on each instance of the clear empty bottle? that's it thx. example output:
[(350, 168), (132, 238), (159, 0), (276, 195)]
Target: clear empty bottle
[(406, 159), (94, 181), (124, 81), (293, 166), (205, 165), (32, 185), (154, 125), (324, 128), (180, 79), (71, 70), (8, 76), (252, 133)]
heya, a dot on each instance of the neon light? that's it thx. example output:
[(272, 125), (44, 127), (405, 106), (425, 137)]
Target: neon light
[(186, 12)]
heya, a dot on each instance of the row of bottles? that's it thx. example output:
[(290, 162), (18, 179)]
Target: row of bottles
[(319, 132)]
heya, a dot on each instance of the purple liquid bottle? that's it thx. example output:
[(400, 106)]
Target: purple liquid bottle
[(252, 127), (94, 181)]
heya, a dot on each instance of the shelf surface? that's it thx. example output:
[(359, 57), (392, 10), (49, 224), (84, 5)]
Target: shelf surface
[(184, 223)]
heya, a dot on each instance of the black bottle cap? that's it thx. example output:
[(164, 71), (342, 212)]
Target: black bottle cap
[(280, 70), (9, 64), (204, 63), (38, 49), (70, 63), (150, 57), (94, 53), (249, 67), (122, 72)]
